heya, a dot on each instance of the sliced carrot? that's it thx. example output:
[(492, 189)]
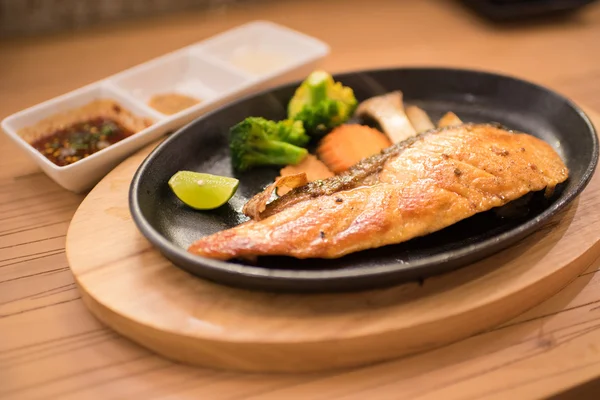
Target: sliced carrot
[(311, 166), (346, 145)]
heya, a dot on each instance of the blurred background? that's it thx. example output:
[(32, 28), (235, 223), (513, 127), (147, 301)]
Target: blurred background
[(27, 17), (49, 47), (30, 17)]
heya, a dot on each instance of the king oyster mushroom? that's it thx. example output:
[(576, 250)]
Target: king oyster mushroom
[(419, 119), (388, 111), (449, 119)]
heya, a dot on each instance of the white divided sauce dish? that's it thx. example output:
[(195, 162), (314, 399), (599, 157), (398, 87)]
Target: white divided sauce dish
[(251, 57)]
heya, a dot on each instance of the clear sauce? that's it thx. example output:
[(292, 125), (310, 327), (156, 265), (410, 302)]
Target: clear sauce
[(258, 61)]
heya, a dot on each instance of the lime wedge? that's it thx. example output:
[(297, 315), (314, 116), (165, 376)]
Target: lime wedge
[(203, 191)]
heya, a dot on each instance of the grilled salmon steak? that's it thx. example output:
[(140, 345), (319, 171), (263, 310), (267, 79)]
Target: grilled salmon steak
[(414, 188)]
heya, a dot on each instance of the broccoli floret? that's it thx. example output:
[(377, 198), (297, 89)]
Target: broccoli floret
[(321, 103), (257, 141), (288, 131)]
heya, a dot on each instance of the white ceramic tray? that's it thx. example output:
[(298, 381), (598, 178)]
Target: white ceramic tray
[(210, 70)]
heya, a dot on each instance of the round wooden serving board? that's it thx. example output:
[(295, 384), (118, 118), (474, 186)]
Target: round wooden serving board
[(129, 286)]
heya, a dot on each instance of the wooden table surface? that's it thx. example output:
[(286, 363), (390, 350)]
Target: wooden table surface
[(51, 346)]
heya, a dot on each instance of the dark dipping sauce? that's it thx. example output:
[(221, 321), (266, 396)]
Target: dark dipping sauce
[(80, 140)]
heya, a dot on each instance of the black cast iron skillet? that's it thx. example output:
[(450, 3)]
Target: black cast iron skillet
[(475, 96)]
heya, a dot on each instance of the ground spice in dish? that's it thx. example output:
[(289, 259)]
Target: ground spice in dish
[(80, 140), (172, 103)]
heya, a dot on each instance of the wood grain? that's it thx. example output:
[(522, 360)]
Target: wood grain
[(51, 346), (133, 289)]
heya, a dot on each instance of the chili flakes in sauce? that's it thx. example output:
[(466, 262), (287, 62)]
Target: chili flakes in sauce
[(80, 140)]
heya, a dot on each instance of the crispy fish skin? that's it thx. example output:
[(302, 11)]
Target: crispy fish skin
[(362, 174), (410, 190)]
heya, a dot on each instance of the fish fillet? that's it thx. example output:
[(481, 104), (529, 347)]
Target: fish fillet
[(411, 189)]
